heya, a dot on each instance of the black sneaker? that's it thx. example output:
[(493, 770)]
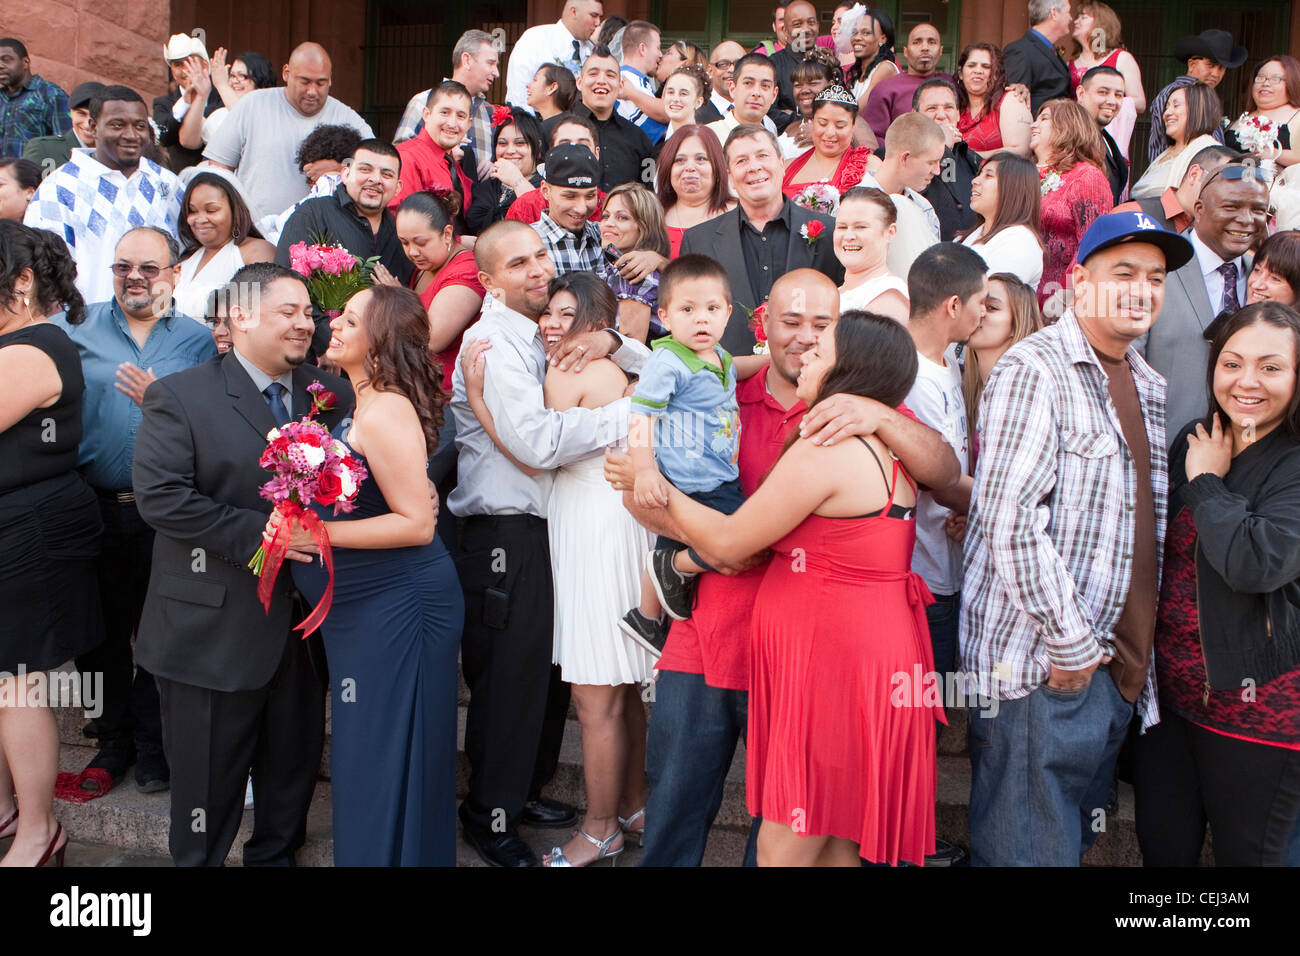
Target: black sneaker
[(676, 591), (652, 635), (946, 854)]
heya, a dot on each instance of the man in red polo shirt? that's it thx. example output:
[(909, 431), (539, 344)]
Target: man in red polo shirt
[(701, 696), (428, 161)]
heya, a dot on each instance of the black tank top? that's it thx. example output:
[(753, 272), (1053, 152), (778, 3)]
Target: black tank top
[(43, 444)]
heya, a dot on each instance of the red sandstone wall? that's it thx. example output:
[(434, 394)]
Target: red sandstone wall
[(113, 41)]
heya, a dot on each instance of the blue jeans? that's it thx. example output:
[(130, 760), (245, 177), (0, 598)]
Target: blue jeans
[(726, 498), (1041, 773), (692, 740)]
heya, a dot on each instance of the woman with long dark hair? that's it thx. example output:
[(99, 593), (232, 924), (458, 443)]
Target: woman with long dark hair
[(1226, 752), (989, 120), (517, 151), (1192, 114), (691, 182), (1005, 197), (393, 631), (249, 71), (49, 531), (837, 772), (217, 231), (872, 42), (551, 91)]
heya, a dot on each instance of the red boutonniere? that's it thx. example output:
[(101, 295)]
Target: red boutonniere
[(322, 400), (812, 231), (500, 115), (756, 318)]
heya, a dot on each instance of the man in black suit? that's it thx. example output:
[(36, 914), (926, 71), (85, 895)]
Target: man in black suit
[(722, 64), (764, 237), (949, 192), (1100, 93), (1033, 60), (236, 684)]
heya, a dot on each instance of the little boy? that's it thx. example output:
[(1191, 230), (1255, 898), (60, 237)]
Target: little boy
[(685, 419)]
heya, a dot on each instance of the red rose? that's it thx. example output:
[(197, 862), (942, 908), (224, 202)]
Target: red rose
[(500, 115), (326, 400), (756, 323), (310, 438), (328, 488), (815, 228)]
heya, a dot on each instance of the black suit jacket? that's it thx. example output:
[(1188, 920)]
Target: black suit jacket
[(169, 129), (720, 239), (708, 113), (196, 480), (1029, 61), (1116, 167)]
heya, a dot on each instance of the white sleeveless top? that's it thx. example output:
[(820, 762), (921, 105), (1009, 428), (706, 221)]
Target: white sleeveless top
[(860, 297), (193, 286)]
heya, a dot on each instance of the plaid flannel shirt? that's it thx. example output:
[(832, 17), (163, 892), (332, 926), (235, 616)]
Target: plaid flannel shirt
[(572, 253), (39, 108), (1049, 542)]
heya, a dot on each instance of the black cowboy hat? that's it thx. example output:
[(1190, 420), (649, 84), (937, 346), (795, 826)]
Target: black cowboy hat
[(1213, 44)]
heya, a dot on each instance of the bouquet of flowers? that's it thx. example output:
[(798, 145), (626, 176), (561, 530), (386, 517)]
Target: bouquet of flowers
[(819, 197), (309, 465), (1257, 134), (333, 274)]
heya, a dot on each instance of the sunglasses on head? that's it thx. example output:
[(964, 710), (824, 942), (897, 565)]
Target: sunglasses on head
[(1236, 171)]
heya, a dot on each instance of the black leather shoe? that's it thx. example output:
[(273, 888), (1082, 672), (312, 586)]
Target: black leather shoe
[(152, 775), (115, 758), (500, 849), (548, 814)]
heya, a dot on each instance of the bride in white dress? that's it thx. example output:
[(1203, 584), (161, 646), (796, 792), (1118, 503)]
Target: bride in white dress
[(597, 552)]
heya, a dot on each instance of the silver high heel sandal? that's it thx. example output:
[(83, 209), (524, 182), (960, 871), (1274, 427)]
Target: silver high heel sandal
[(557, 858), (625, 823)]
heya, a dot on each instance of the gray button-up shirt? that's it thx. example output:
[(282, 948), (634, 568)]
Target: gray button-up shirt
[(489, 483)]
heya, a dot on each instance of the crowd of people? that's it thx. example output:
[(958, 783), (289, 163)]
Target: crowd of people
[(808, 392)]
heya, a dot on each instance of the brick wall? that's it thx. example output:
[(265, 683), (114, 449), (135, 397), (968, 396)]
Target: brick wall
[(112, 41)]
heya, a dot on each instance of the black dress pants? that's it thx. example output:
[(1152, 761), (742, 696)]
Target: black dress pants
[(1186, 777), (128, 704), (213, 737), (518, 703)]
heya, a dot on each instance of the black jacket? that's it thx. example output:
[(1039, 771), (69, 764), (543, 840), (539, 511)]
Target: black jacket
[(196, 480), (1247, 558), (1116, 166), (1029, 61), (169, 129)]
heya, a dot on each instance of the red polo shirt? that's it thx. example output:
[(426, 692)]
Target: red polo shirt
[(530, 206), (715, 641), (424, 166)]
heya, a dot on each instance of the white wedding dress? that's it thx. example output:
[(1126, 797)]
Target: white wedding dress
[(597, 553)]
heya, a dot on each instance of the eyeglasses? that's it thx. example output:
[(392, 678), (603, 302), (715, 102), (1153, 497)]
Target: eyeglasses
[(723, 64), (1270, 80), (1236, 171), (238, 76), (124, 269)]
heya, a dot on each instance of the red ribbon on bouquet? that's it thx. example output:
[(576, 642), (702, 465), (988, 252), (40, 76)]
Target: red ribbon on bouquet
[(279, 546)]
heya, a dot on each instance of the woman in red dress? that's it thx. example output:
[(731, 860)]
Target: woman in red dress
[(833, 158), (841, 757), (445, 277)]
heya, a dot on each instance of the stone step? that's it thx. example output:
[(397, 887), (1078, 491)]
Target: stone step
[(138, 822)]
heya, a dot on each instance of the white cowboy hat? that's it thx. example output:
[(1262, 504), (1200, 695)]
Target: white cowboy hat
[(181, 45)]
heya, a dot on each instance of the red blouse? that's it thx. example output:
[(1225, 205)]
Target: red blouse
[(984, 136), (847, 174), (460, 269), (1067, 211)]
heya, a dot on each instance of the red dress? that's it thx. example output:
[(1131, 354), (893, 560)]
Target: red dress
[(839, 617), (458, 270), (847, 174), (1067, 212), (984, 135)]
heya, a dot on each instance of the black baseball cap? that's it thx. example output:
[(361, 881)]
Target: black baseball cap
[(572, 166), (84, 93)]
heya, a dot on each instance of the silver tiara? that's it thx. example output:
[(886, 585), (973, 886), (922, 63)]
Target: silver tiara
[(836, 94)]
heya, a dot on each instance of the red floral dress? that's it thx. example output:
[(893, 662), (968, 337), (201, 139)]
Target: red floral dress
[(1068, 209)]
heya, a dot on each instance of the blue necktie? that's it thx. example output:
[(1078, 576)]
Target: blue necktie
[(279, 412)]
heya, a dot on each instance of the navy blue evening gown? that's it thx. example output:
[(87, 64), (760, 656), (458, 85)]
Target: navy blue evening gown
[(391, 639)]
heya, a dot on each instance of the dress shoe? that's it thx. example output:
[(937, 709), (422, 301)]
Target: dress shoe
[(115, 758), (548, 814), (152, 775), (499, 849)]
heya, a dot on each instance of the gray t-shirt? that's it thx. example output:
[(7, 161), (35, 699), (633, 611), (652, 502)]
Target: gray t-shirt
[(260, 140)]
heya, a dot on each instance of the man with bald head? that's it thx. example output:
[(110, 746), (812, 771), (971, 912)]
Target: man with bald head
[(722, 64), (518, 703), (701, 696), (260, 138)]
